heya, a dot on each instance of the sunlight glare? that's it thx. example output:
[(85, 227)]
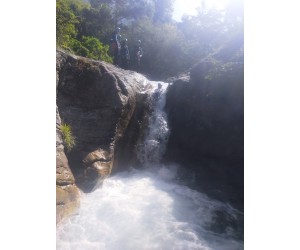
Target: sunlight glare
[(189, 7), (218, 4)]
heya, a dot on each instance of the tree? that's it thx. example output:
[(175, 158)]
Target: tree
[(91, 47), (163, 46), (169, 47), (98, 22), (65, 23)]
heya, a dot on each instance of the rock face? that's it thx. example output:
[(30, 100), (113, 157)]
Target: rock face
[(67, 194), (126, 152), (98, 101), (206, 118)]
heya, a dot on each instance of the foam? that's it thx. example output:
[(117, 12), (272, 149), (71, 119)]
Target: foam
[(140, 210)]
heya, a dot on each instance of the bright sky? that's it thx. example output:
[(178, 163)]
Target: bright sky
[(189, 6)]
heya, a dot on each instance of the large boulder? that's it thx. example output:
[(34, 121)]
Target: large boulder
[(98, 101), (206, 118)]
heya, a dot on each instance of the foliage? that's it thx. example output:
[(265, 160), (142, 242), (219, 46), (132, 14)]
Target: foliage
[(72, 22), (68, 138), (170, 47), (163, 10), (65, 23), (97, 22), (91, 47)]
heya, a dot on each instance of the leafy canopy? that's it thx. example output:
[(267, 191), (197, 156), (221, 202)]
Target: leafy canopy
[(169, 47)]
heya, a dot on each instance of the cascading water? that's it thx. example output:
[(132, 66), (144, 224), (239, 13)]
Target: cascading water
[(151, 150), (148, 208)]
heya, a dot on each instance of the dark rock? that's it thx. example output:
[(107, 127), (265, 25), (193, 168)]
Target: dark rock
[(126, 152), (206, 119)]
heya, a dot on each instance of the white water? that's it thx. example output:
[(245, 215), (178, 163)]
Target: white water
[(147, 209), (144, 210), (152, 149)]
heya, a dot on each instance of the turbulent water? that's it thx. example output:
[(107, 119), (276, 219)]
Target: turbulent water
[(149, 208), (152, 149)]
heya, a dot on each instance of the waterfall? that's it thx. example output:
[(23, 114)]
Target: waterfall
[(147, 208), (152, 149)]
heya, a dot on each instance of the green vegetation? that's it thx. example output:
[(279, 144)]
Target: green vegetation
[(91, 47), (65, 23), (70, 20), (68, 138), (170, 47)]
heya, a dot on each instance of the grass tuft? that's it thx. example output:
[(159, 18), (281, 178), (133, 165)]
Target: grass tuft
[(68, 138)]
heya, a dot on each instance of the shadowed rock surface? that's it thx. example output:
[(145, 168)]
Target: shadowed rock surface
[(206, 117)]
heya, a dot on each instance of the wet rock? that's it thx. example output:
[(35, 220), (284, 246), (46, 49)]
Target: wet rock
[(67, 201), (97, 165)]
